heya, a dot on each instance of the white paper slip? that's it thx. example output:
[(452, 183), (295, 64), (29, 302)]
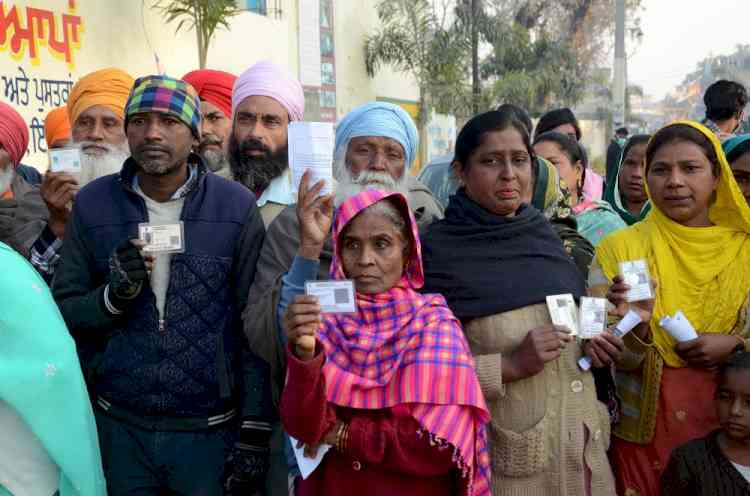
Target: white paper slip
[(65, 160), (627, 324), (563, 312), (308, 465), (593, 317), (636, 276), (311, 148), (162, 238), (334, 296), (679, 327)]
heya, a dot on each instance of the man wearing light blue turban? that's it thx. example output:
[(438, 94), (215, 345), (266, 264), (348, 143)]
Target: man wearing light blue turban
[(379, 119), (376, 145)]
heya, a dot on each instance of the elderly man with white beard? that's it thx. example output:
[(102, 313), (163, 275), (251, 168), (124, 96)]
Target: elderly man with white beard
[(22, 211), (96, 107), (376, 145)]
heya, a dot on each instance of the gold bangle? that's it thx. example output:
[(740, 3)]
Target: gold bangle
[(346, 437), (339, 436)]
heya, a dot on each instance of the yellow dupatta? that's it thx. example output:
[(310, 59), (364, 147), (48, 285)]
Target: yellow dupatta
[(705, 272)]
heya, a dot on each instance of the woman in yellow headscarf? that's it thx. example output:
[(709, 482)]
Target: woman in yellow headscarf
[(696, 241)]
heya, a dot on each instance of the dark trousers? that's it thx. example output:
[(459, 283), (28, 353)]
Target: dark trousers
[(143, 462)]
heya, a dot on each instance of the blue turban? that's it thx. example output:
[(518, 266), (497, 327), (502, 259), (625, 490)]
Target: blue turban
[(732, 143), (379, 119)]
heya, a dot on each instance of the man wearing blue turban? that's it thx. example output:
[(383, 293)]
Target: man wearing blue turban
[(376, 145)]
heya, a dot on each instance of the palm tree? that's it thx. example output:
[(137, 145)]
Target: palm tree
[(204, 16), (412, 40)]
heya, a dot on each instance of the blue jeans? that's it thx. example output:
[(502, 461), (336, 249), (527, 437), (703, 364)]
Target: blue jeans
[(143, 462)]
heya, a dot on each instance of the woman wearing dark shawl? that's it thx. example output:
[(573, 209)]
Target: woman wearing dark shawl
[(392, 387), (496, 259)]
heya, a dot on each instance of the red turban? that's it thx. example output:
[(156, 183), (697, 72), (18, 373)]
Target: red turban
[(214, 87), (14, 134)]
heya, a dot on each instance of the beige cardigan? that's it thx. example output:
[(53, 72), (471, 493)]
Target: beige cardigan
[(539, 424)]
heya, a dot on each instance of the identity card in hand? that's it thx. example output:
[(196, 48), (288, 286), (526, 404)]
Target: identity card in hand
[(162, 238), (627, 324), (334, 296), (562, 311), (637, 277), (593, 317), (311, 148), (308, 465), (65, 160)]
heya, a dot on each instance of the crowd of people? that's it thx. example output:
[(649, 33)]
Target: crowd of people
[(207, 369)]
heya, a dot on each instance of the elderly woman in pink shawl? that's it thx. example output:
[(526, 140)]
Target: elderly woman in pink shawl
[(392, 387)]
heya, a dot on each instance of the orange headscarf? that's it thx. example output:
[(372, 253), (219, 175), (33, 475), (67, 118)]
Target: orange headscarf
[(107, 87), (56, 126)]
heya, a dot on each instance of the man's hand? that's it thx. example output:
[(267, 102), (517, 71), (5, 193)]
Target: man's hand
[(315, 215), (58, 190), (245, 471), (128, 271)]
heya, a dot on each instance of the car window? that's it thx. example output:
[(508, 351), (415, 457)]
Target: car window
[(439, 178)]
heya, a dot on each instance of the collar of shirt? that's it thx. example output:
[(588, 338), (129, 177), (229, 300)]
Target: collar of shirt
[(183, 190), (278, 191)]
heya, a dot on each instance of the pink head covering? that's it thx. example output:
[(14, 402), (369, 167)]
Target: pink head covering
[(406, 349), (268, 79), (14, 134)]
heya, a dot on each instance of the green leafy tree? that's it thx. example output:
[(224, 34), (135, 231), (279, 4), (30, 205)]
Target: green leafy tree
[(203, 16), (413, 39)]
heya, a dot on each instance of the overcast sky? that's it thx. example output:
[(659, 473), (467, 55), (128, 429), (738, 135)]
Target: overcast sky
[(680, 33)]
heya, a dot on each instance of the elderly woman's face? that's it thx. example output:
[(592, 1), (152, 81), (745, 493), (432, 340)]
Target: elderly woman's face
[(498, 174), (373, 253)]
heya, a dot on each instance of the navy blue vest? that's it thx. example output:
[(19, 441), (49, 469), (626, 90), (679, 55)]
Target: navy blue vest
[(186, 367)]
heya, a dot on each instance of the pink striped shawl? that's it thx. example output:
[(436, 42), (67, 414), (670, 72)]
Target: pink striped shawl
[(402, 347)]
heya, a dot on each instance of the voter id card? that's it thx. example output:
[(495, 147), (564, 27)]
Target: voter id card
[(333, 296), (562, 311), (65, 160), (593, 317), (636, 275), (162, 238)]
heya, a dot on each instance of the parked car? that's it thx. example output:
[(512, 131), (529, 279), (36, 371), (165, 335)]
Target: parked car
[(437, 176)]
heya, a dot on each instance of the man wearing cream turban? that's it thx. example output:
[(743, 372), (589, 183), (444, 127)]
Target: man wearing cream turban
[(95, 111), (22, 211), (265, 99), (376, 145), (215, 91)]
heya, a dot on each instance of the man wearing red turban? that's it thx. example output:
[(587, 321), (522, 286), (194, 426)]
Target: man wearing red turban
[(23, 213), (215, 91)]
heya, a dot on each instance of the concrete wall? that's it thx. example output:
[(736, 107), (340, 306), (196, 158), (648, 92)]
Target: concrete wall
[(130, 35)]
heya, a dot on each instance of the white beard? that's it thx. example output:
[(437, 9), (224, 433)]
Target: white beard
[(348, 185), (6, 178), (96, 166)]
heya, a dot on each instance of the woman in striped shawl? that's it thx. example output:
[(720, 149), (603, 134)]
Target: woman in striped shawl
[(391, 387)]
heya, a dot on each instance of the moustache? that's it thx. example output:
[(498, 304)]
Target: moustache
[(153, 148), (210, 139), (254, 145)]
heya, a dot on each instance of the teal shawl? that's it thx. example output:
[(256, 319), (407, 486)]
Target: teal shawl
[(40, 377), (612, 196)]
